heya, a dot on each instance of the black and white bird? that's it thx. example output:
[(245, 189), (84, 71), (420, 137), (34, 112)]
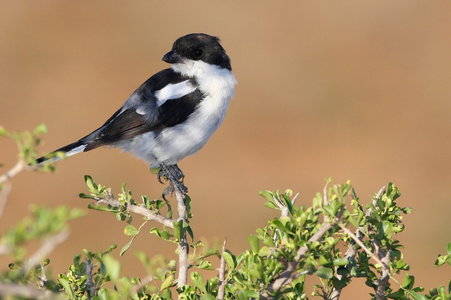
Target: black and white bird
[(173, 113)]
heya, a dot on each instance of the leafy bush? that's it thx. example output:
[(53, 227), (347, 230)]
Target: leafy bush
[(335, 239)]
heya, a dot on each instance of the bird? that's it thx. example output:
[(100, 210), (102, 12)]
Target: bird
[(173, 113)]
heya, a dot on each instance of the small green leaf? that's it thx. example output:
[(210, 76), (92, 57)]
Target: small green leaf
[(179, 231), (322, 261), (267, 195), (155, 170), (341, 262), (67, 288), (164, 234), (127, 246), (270, 205), (198, 280), (100, 207), (4, 132), (415, 295), (167, 283), (254, 242), (190, 232), (326, 273), (229, 259), (205, 265), (207, 297), (264, 251), (89, 182), (112, 266), (130, 230), (40, 129)]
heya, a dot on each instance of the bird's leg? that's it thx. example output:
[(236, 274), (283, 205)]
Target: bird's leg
[(175, 177)]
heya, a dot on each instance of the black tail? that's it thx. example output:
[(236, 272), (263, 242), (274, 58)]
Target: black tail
[(68, 150)]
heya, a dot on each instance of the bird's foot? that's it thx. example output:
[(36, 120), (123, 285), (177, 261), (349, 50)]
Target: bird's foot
[(175, 177)]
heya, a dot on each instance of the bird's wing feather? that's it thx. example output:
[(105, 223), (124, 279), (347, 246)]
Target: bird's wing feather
[(145, 111)]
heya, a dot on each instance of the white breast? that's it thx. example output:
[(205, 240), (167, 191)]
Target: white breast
[(174, 143)]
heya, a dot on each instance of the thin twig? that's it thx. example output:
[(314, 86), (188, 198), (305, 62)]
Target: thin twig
[(140, 210), (222, 281), (359, 242), (47, 246), (5, 180), (4, 193), (283, 213), (26, 291), (286, 276), (183, 244), (18, 167), (142, 284)]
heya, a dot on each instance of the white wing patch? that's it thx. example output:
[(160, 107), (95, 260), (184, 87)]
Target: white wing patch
[(174, 91)]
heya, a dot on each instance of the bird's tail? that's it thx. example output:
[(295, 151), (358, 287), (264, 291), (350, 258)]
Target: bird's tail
[(68, 150)]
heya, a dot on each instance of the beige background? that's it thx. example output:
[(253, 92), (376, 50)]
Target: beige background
[(355, 90)]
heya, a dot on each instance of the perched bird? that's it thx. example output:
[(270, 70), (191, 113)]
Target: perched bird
[(173, 113)]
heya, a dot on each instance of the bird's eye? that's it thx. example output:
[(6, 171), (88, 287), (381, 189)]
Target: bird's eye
[(198, 52)]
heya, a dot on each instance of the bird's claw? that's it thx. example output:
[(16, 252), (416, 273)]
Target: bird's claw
[(175, 177)]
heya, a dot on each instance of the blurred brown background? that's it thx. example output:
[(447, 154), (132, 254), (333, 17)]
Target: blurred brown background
[(355, 90)]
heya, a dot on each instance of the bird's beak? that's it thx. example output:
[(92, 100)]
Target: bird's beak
[(172, 58)]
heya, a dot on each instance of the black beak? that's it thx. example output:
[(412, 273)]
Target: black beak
[(172, 58)]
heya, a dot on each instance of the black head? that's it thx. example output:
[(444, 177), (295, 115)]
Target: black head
[(198, 46)]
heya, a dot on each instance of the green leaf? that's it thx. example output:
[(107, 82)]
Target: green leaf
[(127, 246), (167, 283), (101, 208), (326, 273), (270, 205), (415, 295), (207, 297), (130, 230), (164, 234), (264, 251), (229, 259), (198, 280), (67, 288), (254, 242), (205, 265), (190, 232), (90, 183), (341, 262), (267, 195), (179, 231), (40, 129), (112, 266), (4, 132)]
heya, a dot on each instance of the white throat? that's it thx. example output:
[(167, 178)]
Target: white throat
[(211, 78)]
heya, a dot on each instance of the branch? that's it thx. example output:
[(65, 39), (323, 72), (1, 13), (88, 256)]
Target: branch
[(222, 281), (286, 277), (359, 242), (89, 283), (382, 282), (47, 246), (140, 210), (183, 244), (352, 251), (26, 291), (4, 193), (18, 167)]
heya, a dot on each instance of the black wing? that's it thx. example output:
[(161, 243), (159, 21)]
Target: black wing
[(127, 123)]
